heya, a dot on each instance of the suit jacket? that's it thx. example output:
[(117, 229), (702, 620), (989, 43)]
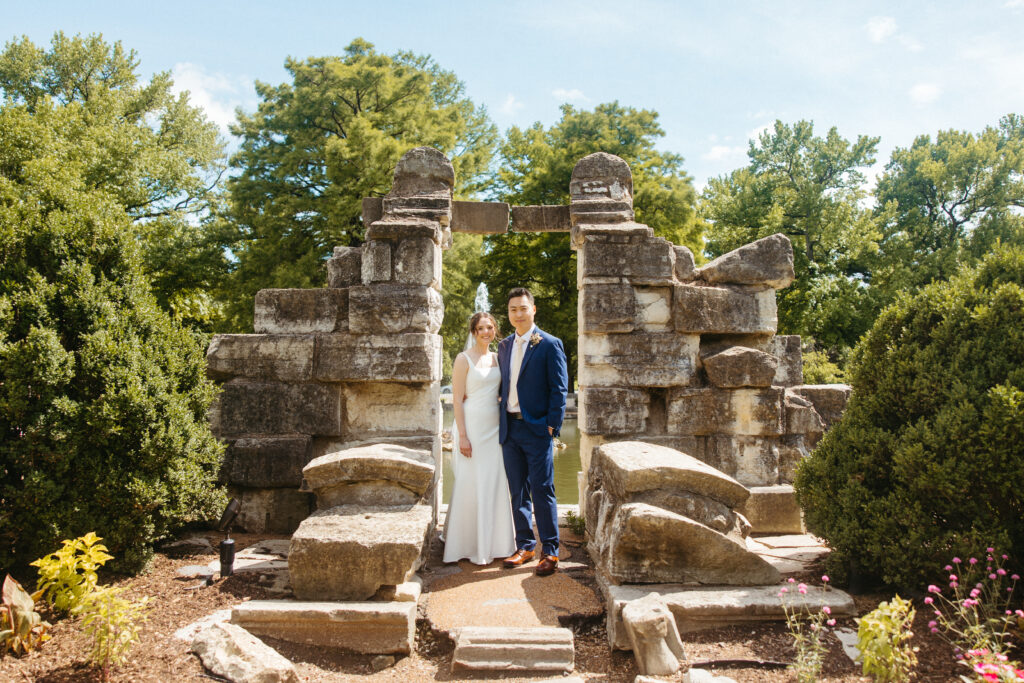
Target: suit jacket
[(542, 386)]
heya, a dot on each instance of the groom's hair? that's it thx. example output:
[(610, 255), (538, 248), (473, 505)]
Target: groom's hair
[(517, 292)]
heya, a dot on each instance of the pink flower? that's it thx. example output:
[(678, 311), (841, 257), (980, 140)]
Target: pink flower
[(935, 630), (990, 550), (928, 600), (1006, 557), (831, 622), (792, 580), (973, 560), (828, 610), (975, 592), (783, 591), (948, 567), (956, 560), (802, 588), (932, 623), (932, 588), (952, 577), (992, 576), (1019, 613), (938, 613), (1015, 577), (824, 578), (953, 584), (1001, 571)]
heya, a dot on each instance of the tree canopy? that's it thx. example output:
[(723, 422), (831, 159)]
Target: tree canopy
[(82, 104), (536, 168), (811, 189), (316, 146)]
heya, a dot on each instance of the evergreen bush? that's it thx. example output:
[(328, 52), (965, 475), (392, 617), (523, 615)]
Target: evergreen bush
[(928, 460), (103, 397)]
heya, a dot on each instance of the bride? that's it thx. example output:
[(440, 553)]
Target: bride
[(479, 522)]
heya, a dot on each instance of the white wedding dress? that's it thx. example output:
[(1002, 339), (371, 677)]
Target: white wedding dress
[(479, 521)]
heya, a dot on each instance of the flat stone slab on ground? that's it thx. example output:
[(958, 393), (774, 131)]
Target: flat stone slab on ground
[(364, 627), (187, 633), (791, 541), (696, 609), (233, 653), (495, 648)]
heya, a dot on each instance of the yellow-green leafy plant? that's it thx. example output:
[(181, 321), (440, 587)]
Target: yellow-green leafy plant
[(21, 627), (883, 638), (576, 523), (68, 576), (113, 622)]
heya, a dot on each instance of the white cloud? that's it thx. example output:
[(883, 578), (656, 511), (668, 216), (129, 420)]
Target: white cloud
[(725, 153), (925, 93), (1014, 4), (511, 105), (216, 93), (755, 134), (880, 28), (574, 95)]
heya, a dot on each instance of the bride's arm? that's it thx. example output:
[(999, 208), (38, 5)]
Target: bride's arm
[(459, 371)]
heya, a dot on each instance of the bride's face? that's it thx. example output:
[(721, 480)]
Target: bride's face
[(484, 331)]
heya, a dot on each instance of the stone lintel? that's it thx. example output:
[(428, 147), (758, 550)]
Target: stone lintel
[(546, 218), (485, 218)]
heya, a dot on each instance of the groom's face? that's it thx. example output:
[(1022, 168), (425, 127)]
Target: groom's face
[(521, 313)]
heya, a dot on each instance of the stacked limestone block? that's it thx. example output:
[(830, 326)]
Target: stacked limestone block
[(355, 363), (687, 357)]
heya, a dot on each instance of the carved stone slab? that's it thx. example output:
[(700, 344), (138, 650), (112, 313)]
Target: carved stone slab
[(301, 311), (499, 648)]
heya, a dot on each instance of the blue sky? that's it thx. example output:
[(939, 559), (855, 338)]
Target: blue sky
[(716, 72)]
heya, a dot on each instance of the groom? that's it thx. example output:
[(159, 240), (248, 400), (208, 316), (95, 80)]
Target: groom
[(532, 404)]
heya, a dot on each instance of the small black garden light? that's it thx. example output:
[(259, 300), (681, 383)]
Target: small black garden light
[(227, 546)]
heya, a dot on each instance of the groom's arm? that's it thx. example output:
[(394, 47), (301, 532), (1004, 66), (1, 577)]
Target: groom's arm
[(558, 385)]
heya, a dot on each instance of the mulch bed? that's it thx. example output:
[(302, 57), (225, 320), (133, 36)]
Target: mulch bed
[(175, 603)]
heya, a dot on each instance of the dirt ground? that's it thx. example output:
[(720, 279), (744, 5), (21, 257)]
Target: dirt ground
[(749, 653)]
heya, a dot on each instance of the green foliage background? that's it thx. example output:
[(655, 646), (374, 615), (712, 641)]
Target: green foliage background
[(926, 462)]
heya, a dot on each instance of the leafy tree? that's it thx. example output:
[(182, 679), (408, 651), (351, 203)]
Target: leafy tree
[(948, 202), (926, 461), (82, 103), (460, 282), (810, 188), (537, 167), (316, 146), (103, 396)]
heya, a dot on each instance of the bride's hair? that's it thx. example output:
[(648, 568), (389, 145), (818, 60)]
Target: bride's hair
[(477, 317)]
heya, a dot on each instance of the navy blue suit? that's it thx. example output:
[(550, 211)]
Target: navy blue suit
[(527, 446)]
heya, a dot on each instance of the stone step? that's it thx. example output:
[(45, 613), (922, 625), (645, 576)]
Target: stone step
[(494, 648), (697, 608), (364, 627), (376, 474), (348, 552), (773, 510)]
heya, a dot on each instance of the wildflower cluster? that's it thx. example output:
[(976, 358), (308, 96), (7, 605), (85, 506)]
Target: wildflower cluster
[(808, 632), (974, 613)]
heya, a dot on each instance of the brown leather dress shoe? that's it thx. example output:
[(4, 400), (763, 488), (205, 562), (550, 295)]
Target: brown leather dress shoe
[(548, 565), (520, 558)]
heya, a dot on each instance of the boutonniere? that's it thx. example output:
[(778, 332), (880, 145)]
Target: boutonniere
[(534, 339)]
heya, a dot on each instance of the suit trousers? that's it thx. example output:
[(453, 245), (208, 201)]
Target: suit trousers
[(530, 468)]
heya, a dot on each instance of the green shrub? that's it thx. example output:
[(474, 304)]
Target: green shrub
[(883, 638), (103, 397), (927, 461), (819, 369), (68, 576)]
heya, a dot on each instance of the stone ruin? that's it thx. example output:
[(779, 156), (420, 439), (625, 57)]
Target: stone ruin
[(693, 415)]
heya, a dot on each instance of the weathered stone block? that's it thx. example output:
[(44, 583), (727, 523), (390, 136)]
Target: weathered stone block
[(720, 310), (267, 461), (301, 311), (607, 308), (654, 308), (624, 231), (376, 409), (364, 627), (739, 366), (767, 262), (601, 190), (500, 648), (247, 407), (829, 399), (423, 171), (638, 359), (345, 267), (341, 477), (628, 468), (648, 262), (698, 608), (486, 218), (607, 411), (773, 510), (234, 654), (405, 227), (791, 363), (373, 209), (348, 552), (801, 417), (685, 443), (653, 636), (685, 268), (702, 410), (686, 551), (412, 357), (540, 219), (393, 309), (376, 262), (285, 357), (792, 449), (272, 510), (417, 261), (751, 460)]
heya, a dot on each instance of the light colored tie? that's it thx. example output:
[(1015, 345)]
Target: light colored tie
[(517, 364)]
